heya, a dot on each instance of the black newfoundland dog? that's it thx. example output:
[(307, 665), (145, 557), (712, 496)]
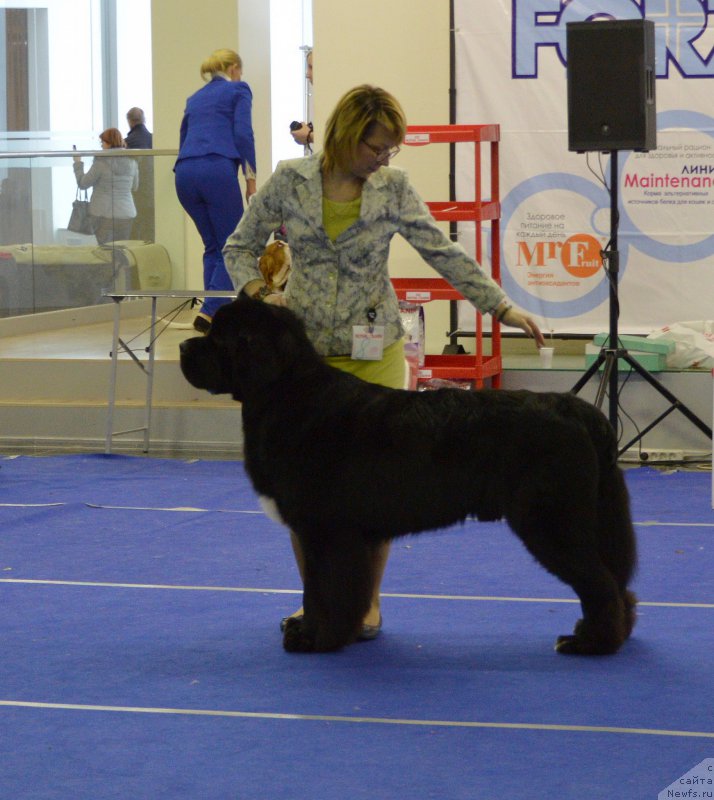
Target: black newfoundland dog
[(349, 464)]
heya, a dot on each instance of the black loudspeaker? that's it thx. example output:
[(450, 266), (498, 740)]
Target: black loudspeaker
[(611, 85)]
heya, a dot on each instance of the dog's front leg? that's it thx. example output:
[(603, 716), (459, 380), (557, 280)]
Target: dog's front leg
[(338, 583)]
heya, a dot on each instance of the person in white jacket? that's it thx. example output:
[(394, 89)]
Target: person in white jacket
[(112, 180)]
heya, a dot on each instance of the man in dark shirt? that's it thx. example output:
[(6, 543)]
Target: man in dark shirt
[(140, 138)]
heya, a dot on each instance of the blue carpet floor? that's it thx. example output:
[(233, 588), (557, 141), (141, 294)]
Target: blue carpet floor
[(141, 656)]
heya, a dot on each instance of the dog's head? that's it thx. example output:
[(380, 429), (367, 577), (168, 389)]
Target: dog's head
[(249, 347)]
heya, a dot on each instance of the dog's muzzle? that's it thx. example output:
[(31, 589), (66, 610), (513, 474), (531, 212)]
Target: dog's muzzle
[(194, 363)]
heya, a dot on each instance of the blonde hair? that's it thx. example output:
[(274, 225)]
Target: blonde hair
[(220, 61), (353, 116), (112, 137)]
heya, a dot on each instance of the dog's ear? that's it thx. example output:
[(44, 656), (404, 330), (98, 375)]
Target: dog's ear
[(275, 339), (263, 340), (227, 321)]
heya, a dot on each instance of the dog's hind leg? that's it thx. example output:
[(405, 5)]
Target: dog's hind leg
[(338, 583), (603, 627), (563, 539)]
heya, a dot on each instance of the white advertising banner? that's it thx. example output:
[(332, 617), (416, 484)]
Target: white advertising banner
[(511, 70)]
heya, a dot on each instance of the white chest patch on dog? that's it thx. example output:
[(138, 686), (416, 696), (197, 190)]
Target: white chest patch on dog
[(270, 509)]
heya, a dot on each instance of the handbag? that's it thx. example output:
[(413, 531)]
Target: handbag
[(80, 220)]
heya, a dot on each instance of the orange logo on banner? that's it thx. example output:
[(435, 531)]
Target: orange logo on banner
[(580, 255)]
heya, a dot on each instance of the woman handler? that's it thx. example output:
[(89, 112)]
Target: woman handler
[(341, 208)]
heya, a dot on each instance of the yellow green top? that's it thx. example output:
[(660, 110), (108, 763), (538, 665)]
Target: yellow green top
[(337, 217)]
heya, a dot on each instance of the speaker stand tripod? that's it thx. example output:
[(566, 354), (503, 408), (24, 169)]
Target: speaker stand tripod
[(611, 353)]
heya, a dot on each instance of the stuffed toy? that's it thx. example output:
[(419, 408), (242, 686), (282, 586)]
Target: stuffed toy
[(275, 265)]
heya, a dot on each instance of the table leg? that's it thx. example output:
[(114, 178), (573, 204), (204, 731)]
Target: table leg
[(150, 376), (113, 377)]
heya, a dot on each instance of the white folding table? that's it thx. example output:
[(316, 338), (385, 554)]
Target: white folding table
[(185, 296)]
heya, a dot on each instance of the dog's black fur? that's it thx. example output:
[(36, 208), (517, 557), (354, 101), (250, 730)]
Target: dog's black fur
[(350, 464)]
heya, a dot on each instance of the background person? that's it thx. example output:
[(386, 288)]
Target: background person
[(140, 138), (341, 209), (216, 138), (304, 134), (112, 181)]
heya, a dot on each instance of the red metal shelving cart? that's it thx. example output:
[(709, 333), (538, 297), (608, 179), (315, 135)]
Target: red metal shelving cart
[(476, 367)]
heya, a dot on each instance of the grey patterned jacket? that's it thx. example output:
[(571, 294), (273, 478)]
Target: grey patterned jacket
[(333, 285)]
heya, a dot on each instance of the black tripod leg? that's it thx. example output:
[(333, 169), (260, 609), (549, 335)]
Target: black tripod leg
[(645, 431), (610, 359), (678, 404), (591, 370), (608, 377)]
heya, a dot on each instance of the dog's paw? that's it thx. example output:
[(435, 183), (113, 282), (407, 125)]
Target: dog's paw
[(296, 639), (600, 634), (300, 638), (567, 645), (579, 645)]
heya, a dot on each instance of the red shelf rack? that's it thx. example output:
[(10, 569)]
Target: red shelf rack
[(475, 367)]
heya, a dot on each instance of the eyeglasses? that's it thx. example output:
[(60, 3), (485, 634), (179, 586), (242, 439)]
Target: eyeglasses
[(382, 154)]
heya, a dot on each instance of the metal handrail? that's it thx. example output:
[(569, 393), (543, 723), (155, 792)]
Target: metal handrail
[(113, 152)]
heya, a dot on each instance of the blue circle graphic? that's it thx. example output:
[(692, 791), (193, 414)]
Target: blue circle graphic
[(562, 181), (674, 253)]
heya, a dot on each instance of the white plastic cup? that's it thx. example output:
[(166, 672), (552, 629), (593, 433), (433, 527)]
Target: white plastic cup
[(546, 357)]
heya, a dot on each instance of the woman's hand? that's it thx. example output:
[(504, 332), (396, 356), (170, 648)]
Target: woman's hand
[(260, 291), (277, 299), (517, 319)]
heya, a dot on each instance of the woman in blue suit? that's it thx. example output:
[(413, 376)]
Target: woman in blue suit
[(216, 139)]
